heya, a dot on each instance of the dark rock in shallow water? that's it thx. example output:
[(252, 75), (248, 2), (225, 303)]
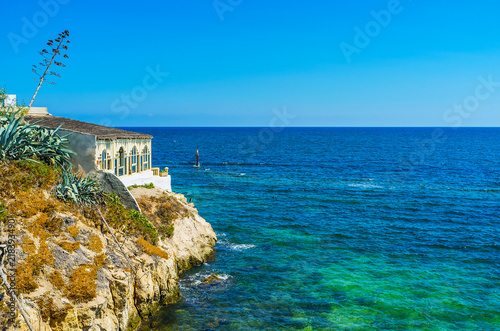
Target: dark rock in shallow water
[(213, 278)]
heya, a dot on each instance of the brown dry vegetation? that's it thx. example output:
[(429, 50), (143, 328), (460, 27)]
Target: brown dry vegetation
[(32, 265), (57, 280), (69, 246), (48, 310), (151, 249), (82, 287), (25, 194), (73, 231), (162, 212), (82, 280), (95, 243)]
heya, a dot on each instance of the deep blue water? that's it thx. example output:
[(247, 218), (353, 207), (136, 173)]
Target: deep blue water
[(340, 228)]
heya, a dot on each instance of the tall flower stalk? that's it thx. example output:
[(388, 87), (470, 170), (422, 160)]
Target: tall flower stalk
[(55, 49)]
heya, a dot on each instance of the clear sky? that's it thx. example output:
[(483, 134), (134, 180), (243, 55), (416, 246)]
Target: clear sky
[(238, 62)]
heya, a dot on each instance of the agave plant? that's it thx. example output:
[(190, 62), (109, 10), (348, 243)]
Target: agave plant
[(83, 191), (21, 141), (15, 138), (52, 147)]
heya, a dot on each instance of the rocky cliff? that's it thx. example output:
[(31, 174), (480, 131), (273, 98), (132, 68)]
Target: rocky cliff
[(71, 273)]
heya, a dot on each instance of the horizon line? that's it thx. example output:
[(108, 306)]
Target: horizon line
[(316, 127)]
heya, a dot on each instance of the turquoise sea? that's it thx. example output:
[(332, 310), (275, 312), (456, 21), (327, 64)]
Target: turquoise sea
[(340, 228)]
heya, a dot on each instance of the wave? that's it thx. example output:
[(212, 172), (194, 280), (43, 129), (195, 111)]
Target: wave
[(365, 186), (235, 247), (241, 247), (197, 279)]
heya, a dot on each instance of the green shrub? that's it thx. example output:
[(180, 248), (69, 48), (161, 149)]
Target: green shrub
[(36, 174), (167, 230), (83, 191), (149, 186), (142, 223), (130, 221)]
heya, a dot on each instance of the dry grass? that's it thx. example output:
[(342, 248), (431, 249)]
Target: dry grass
[(57, 280), (28, 246), (29, 203), (124, 220), (82, 283), (95, 243), (73, 231), (100, 260), (44, 226), (32, 265), (23, 191), (162, 211), (69, 246), (25, 280), (48, 310), (25, 176), (151, 249)]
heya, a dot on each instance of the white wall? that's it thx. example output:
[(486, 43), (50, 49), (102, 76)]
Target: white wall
[(147, 177)]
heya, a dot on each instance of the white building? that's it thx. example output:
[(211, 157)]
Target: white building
[(9, 101), (124, 153)]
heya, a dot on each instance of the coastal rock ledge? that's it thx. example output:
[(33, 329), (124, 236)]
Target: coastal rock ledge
[(126, 290)]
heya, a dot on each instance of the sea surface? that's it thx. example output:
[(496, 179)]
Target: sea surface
[(339, 228)]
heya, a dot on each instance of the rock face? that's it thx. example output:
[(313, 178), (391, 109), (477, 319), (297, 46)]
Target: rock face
[(192, 242), (122, 300), (112, 184)]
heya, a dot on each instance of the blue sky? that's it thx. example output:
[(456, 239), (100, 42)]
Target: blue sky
[(235, 63)]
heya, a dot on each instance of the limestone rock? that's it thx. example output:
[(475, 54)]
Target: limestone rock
[(193, 241), (122, 299)]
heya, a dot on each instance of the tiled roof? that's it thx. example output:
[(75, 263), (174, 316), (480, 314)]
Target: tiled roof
[(101, 132)]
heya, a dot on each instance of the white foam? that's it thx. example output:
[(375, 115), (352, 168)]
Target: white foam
[(197, 279), (240, 247), (365, 186), (232, 246)]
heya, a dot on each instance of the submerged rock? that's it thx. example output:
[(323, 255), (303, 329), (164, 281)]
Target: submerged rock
[(213, 278)]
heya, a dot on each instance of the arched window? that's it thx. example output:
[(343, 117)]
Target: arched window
[(103, 160), (145, 159), (121, 156), (134, 155), (134, 159), (121, 162)]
